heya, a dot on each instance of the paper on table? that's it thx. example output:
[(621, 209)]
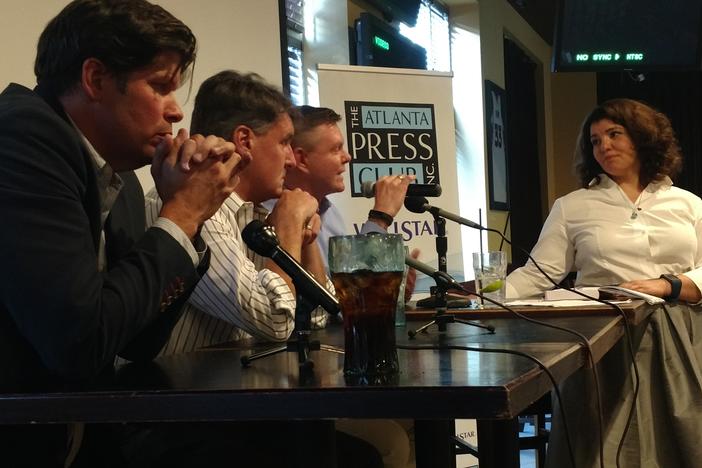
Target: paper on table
[(561, 294), (619, 291), (603, 292), (564, 303)]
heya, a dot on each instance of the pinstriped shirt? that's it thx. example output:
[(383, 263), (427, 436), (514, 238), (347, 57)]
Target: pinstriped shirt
[(237, 297)]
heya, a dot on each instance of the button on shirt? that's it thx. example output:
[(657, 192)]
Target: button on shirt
[(607, 239)]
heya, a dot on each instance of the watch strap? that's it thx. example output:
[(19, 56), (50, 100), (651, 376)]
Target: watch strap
[(382, 216), (675, 287)]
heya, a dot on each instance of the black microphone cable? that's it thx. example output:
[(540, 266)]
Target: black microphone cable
[(516, 353), (452, 284), (584, 343), (417, 205), (630, 348)]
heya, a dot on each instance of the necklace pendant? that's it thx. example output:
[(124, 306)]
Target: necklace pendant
[(634, 215)]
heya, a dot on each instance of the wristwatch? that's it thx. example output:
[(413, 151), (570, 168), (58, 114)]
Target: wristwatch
[(675, 287), (381, 216)]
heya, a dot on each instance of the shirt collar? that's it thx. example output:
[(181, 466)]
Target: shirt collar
[(324, 205), (246, 210), (604, 181), (107, 177)]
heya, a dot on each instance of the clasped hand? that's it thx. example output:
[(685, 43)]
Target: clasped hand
[(193, 176)]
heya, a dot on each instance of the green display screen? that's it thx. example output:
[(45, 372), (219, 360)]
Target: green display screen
[(380, 42)]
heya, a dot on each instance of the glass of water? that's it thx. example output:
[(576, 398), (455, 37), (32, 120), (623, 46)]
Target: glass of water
[(490, 270)]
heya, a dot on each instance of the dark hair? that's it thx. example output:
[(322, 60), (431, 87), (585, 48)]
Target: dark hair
[(306, 118), (229, 99), (649, 130), (124, 35)]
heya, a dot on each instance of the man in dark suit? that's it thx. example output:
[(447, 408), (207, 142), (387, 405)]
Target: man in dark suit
[(82, 281)]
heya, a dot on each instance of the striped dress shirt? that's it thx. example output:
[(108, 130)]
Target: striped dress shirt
[(237, 297)]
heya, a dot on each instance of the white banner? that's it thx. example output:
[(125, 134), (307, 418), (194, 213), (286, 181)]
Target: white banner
[(398, 121)]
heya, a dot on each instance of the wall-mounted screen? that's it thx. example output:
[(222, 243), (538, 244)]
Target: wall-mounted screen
[(398, 10), (380, 45), (601, 35)]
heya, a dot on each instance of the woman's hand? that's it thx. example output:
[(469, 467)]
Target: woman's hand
[(661, 288), (655, 287)]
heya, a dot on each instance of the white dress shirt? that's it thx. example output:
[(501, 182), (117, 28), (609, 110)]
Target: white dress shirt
[(607, 239)]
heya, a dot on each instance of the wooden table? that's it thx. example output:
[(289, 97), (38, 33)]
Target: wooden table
[(434, 387)]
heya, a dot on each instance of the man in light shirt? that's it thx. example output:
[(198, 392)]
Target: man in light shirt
[(321, 161), (320, 165)]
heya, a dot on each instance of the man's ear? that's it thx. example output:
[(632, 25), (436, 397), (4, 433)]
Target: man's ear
[(301, 159), (243, 138), (94, 78)]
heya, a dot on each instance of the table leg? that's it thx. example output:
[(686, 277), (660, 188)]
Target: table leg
[(433, 442), (498, 443)]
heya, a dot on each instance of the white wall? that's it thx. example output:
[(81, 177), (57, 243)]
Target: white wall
[(238, 34)]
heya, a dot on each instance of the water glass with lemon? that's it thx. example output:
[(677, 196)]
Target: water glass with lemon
[(490, 270)]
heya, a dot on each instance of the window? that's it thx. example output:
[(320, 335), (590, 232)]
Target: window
[(292, 34), (432, 33)]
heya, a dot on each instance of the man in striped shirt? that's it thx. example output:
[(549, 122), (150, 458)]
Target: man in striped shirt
[(242, 293)]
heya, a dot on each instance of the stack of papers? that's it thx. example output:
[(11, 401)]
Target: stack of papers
[(603, 292), (569, 298)]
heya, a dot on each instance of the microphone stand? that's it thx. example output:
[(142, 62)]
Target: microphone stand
[(438, 298), (299, 341)]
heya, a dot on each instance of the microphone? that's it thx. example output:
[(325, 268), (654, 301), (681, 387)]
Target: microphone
[(420, 205), (262, 239), (413, 190), (439, 276)]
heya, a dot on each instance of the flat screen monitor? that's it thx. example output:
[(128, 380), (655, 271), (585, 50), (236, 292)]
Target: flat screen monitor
[(398, 10), (380, 45), (610, 35)]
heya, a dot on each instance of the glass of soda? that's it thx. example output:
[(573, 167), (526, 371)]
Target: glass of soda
[(367, 271)]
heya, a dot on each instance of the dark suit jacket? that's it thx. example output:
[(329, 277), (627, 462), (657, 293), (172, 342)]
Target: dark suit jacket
[(61, 321)]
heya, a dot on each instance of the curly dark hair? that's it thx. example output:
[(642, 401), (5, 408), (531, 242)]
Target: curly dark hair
[(649, 130), (125, 35)]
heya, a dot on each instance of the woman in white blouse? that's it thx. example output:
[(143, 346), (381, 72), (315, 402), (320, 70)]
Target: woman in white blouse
[(630, 226)]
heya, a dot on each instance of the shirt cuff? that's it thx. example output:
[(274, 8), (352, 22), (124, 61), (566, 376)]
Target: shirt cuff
[(177, 233), (371, 226), (696, 277)]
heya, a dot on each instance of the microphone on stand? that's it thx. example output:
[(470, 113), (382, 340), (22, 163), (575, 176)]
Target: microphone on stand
[(262, 239), (413, 190), (439, 276), (420, 205), (446, 281)]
